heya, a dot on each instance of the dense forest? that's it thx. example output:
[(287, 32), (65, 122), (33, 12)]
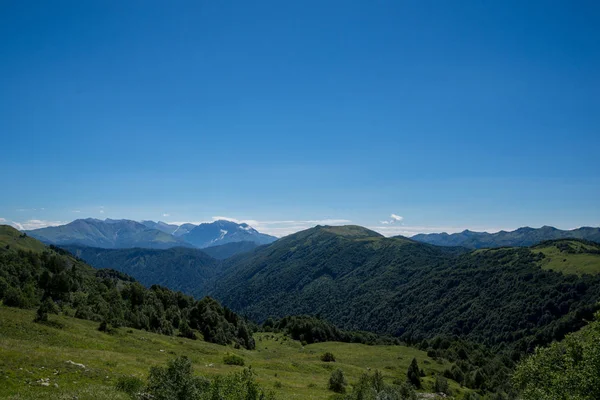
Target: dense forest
[(500, 298), (54, 280), (178, 268)]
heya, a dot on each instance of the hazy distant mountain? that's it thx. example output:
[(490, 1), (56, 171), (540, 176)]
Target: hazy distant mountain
[(183, 229), (227, 250), (222, 232), (520, 237), (107, 234), (161, 226)]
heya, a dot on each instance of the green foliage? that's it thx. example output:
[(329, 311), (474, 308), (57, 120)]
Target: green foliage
[(175, 381), (65, 283), (565, 370), (372, 387), (337, 381), (414, 374), (327, 357), (131, 385), (309, 329), (499, 298), (441, 385), (227, 250), (47, 307), (238, 386), (178, 268), (232, 359)]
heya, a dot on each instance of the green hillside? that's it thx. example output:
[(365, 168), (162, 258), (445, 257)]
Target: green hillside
[(227, 250), (411, 290), (178, 268), (12, 239), (570, 256), (31, 352)]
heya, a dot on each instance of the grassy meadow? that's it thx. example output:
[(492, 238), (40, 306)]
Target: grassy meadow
[(39, 361), (570, 263)]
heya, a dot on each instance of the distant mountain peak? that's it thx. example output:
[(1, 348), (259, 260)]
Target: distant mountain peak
[(222, 231)]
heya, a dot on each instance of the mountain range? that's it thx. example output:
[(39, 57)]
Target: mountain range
[(521, 237), (360, 280), (123, 233)]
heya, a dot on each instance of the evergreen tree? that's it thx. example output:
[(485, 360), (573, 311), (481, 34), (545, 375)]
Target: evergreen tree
[(413, 374)]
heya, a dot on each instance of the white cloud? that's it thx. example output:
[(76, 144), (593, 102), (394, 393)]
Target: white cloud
[(3, 220), (166, 215), (35, 224), (76, 211), (396, 218), (393, 219)]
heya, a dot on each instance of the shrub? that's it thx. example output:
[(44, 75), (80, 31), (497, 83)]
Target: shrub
[(106, 327), (47, 307), (13, 297), (337, 381), (175, 381), (372, 387), (441, 385), (129, 384), (232, 359), (327, 357)]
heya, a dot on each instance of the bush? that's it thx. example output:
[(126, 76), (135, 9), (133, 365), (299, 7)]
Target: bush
[(13, 297), (175, 381), (130, 384), (337, 381), (327, 357), (372, 387), (441, 385), (47, 307), (232, 359), (106, 327)]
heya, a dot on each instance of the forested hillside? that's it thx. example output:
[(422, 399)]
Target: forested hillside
[(50, 279), (178, 268), (230, 249), (415, 291)]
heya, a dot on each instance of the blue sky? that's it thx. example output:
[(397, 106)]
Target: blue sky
[(452, 115)]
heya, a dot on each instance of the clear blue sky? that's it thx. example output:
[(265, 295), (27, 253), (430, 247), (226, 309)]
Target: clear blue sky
[(453, 115)]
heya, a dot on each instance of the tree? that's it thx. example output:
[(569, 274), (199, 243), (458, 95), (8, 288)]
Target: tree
[(337, 381), (413, 374), (565, 370), (47, 307)]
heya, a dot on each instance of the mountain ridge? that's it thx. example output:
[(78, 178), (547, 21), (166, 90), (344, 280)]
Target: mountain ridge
[(124, 233), (521, 237)]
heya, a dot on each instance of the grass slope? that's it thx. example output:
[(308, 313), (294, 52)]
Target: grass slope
[(30, 352), (570, 256), (16, 240)]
